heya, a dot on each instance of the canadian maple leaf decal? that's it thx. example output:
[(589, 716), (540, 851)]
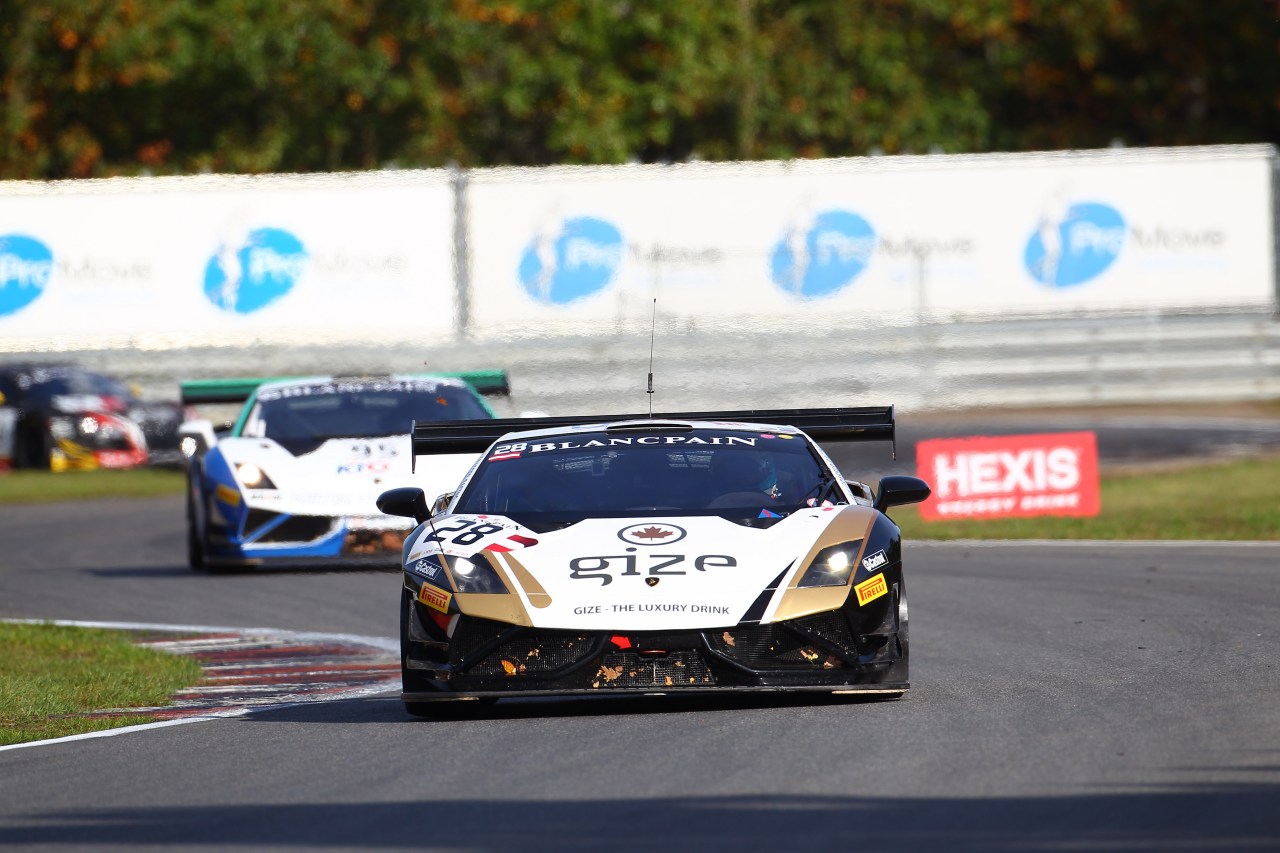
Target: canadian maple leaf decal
[(653, 533)]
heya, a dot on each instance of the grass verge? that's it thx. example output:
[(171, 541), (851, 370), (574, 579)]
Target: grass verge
[(1233, 500), (51, 676), (44, 486)]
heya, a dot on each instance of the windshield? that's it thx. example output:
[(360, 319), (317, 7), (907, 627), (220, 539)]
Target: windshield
[(578, 475), (302, 417), (46, 383)]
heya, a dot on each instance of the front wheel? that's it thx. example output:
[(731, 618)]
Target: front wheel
[(33, 448), (196, 542), (903, 646), (411, 680)]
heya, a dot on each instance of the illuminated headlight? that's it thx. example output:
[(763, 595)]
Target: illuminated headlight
[(832, 566), (475, 575), (253, 477), (188, 446), (468, 575), (88, 426)]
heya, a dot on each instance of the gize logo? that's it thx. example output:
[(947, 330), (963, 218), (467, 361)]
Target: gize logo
[(1015, 475)]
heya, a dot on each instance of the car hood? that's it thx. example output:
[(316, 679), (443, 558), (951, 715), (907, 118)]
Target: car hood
[(640, 574), (343, 476)]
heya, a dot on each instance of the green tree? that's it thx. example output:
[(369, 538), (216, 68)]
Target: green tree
[(106, 87)]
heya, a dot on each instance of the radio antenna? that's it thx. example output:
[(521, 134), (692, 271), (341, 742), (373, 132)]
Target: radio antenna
[(653, 323)]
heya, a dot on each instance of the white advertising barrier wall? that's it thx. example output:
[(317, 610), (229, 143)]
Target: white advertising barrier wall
[(221, 260), (870, 239)]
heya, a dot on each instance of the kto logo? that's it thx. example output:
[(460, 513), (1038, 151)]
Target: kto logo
[(25, 267), (245, 278), (559, 268), (825, 257), (1072, 247)]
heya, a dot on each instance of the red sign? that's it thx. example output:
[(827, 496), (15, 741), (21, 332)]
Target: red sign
[(1008, 476)]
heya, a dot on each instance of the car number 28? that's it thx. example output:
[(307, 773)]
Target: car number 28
[(469, 532)]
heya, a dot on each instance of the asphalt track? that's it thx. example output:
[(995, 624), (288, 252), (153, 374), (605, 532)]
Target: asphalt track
[(1066, 697)]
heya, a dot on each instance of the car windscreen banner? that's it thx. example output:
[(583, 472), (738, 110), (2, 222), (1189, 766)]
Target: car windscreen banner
[(1010, 476)]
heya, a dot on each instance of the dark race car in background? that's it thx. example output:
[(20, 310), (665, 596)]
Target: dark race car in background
[(296, 475), (675, 554), (66, 417)]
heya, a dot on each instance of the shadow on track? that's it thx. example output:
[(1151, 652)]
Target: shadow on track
[(1183, 818), (388, 708)]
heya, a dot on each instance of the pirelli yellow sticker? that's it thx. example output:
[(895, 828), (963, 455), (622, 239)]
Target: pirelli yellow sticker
[(228, 495), (871, 589), (436, 599)]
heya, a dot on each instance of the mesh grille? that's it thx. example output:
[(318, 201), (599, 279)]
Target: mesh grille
[(471, 633), (831, 627), (763, 647), (674, 669), (526, 652), (533, 654), (296, 528)]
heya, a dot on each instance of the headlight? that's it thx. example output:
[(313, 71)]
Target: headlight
[(253, 477), (474, 575), (93, 430), (832, 566)]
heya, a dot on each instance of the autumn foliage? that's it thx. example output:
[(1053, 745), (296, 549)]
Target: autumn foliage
[(108, 87)]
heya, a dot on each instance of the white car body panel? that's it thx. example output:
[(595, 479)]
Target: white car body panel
[(681, 596), (343, 476)]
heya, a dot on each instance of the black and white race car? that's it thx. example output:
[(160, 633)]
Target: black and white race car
[(678, 553), (65, 417)]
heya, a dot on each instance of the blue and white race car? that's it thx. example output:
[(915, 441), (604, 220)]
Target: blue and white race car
[(296, 475)]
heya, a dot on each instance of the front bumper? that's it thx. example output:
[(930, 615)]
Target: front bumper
[(68, 455), (832, 652), (269, 535)]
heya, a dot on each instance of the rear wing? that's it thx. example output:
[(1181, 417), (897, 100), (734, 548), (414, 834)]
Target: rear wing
[(863, 423), (209, 391)]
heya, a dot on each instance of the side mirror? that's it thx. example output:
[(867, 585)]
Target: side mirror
[(441, 503), (896, 490), (408, 501)]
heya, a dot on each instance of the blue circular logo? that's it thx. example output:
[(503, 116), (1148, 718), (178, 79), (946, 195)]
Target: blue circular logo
[(25, 267), (825, 258), (557, 269), (246, 278), (1071, 248)]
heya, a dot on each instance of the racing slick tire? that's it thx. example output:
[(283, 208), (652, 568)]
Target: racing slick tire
[(410, 680), (903, 645), (33, 448), (413, 681), (196, 543)]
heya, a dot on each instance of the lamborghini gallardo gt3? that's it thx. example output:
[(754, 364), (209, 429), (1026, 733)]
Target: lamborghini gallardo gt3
[(294, 478), (672, 554)]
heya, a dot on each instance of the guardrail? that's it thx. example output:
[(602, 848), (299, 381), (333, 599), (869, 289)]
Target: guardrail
[(1156, 357)]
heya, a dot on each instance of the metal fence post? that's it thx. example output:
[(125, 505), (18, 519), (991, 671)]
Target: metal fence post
[(459, 179)]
